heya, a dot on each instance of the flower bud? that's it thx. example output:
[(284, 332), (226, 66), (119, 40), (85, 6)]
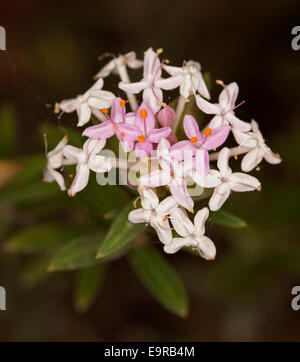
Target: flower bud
[(172, 139), (166, 116)]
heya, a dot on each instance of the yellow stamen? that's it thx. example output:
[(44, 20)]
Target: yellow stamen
[(143, 113), (236, 156), (165, 218), (141, 139), (207, 132), (194, 139)]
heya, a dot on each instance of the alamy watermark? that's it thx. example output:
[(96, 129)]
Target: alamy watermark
[(2, 38), (296, 300), (2, 298), (296, 40)]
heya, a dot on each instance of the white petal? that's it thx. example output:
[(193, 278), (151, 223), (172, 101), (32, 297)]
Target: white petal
[(51, 175), (99, 164), (133, 87), (152, 97), (206, 248), (84, 114), (69, 105), (149, 199), (241, 182), (181, 222), (97, 85), (173, 70), (237, 123), (166, 206), (73, 153), (156, 178), (229, 95), (219, 196), (217, 121), (199, 221), (162, 229), (212, 179), (106, 70), (100, 99), (177, 244), (272, 157), (81, 179), (206, 106), (251, 160), (178, 189), (244, 139), (139, 215), (223, 159)]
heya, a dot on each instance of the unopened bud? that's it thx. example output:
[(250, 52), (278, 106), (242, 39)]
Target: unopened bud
[(166, 116), (172, 139)]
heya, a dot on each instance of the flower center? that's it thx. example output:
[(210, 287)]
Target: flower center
[(104, 110), (123, 134), (143, 114), (115, 127), (194, 139), (207, 132), (141, 138)]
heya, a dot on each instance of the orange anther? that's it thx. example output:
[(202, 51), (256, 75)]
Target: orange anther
[(115, 127), (71, 175), (123, 134), (104, 110), (194, 139), (143, 113), (141, 138), (207, 132), (165, 218), (123, 102)]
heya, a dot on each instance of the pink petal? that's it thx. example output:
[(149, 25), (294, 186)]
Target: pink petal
[(217, 137), (143, 149), (155, 135), (205, 106), (130, 118), (191, 127), (156, 178), (147, 124), (100, 131), (127, 146), (182, 150), (127, 132), (202, 162)]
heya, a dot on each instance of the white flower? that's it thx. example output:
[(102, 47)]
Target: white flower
[(225, 180), (55, 160), (173, 174), (152, 82), (192, 79), (258, 148), (117, 65), (224, 110), (90, 102), (86, 159), (155, 214), (192, 234)]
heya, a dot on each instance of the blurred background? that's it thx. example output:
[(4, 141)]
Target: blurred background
[(52, 50)]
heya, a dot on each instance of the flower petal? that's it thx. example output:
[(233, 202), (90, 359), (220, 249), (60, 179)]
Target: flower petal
[(206, 106), (139, 215), (244, 139), (217, 137), (149, 199), (181, 222), (143, 149), (69, 105), (272, 157), (145, 125), (199, 221), (99, 164), (201, 162), (217, 121), (127, 132), (166, 206), (206, 248), (251, 160), (208, 181), (191, 127), (156, 134), (178, 189), (177, 244), (182, 150), (84, 114), (169, 83), (228, 96), (100, 99), (152, 66), (153, 97), (100, 131), (51, 175), (156, 178), (117, 111), (223, 160), (220, 195), (237, 123), (106, 70), (81, 179), (162, 229), (135, 88), (73, 153), (241, 182)]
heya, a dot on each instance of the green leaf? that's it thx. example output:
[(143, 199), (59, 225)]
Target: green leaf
[(227, 219), (35, 272), (87, 286), (7, 130), (41, 238), (77, 254), (121, 232), (160, 278)]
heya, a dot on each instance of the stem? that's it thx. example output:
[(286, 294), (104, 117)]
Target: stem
[(125, 78), (234, 151), (179, 110)]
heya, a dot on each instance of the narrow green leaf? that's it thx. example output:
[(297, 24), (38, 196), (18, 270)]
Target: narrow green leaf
[(41, 238), (77, 254), (121, 232), (7, 130), (227, 219), (160, 278), (35, 272), (87, 286)]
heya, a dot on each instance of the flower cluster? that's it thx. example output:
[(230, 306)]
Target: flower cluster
[(150, 131)]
